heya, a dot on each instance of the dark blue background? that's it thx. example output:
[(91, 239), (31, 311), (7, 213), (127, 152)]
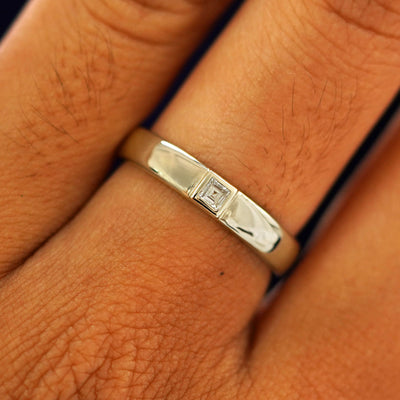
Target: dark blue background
[(8, 11)]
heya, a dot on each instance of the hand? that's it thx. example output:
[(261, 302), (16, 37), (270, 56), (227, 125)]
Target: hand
[(130, 292)]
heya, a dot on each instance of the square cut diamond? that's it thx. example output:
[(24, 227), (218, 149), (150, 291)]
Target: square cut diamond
[(213, 195)]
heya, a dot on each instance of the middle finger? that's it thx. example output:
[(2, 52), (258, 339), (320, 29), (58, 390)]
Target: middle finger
[(285, 97)]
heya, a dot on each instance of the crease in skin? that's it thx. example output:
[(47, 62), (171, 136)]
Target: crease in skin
[(85, 86), (335, 134), (369, 18)]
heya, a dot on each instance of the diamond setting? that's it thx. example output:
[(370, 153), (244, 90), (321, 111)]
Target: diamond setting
[(213, 195)]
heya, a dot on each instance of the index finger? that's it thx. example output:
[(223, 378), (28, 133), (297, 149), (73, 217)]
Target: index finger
[(75, 76)]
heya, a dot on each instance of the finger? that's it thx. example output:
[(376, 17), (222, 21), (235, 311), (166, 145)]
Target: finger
[(334, 328), (305, 83), (75, 76), (143, 305)]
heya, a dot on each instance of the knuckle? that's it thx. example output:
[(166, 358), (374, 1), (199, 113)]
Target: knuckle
[(36, 368), (113, 339), (91, 63), (152, 22), (75, 357), (165, 5), (379, 17), (355, 37), (99, 356), (77, 83)]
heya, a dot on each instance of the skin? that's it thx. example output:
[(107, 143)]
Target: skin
[(106, 290)]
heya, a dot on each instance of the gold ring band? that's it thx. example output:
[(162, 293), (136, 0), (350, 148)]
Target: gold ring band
[(214, 194)]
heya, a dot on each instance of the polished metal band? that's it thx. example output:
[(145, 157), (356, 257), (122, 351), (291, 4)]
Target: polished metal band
[(212, 193)]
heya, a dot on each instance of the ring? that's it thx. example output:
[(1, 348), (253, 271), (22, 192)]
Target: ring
[(212, 193)]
